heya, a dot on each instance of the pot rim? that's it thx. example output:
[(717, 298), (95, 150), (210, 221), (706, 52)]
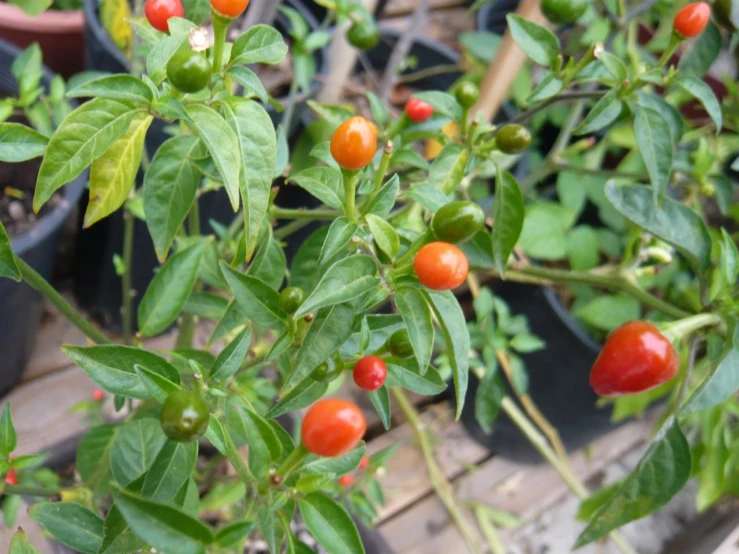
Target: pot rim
[(55, 22), (51, 221)]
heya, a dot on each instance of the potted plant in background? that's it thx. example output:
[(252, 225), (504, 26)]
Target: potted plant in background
[(57, 30), (28, 93), (392, 223)]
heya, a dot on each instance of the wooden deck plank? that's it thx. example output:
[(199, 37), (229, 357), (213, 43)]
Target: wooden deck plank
[(522, 490)]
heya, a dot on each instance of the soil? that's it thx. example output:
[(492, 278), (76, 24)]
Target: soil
[(17, 184)]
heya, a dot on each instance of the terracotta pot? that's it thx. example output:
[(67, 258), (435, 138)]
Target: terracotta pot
[(59, 33)]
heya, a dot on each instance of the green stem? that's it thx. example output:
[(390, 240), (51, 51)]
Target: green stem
[(413, 249), (35, 281), (612, 282), (598, 171), (292, 461), (441, 485), (350, 183), (686, 326), (528, 114), (237, 462), (29, 491), (220, 26), (566, 132), (292, 227), (129, 226), (387, 153), (290, 106), (675, 41), (311, 215), (186, 331)]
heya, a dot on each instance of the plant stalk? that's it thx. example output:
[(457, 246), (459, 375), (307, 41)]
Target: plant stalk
[(37, 282), (129, 226), (441, 486), (350, 183), (237, 462), (186, 330), (311, 215), (29, 491)]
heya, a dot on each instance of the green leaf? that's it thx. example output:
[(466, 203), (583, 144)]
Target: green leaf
[(416, 312), (702, 52), (163, 526), (222, 143), (344, 280), (260, 302), (508, 217), (259, 158), (8, 436), (729, 258), (548, 87), (148, 34), (298, 398), (269, 264), (605, 112), (670, 114), (655, 147), (197, 11), (93, 456), (325, 183), (32, 8), (382, 203), (159, 387), (21, 545), (83, 136), (119, 537), (450, 317), (608, 311), (168, 291), (262, 439), (260, 44), (537, 42), (661, 473), (71, 524), (230, 359), (170, 187), (444, 103), (703, 93), (379, 111), (380, 399), (233, 318), (206, 305), (234, 533), (19, 143), (113, 174), (385, 236), (339, 465), (269, 531), (248, 79), (331, 327), (163, 50), (330, 524), (170, 471), (339, 234), (481, 44), (216, 435), (448, 168), (8, 266), (615, 66), (112, 367), (582, 248), (405, 373), (134, 449), (489, 395), (720, 385), (116, 87), (673, 221)]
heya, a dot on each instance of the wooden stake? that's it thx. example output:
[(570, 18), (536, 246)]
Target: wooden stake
[(505, 66)]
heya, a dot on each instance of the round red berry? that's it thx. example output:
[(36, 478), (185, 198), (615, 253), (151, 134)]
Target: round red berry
[(418, 110), (158, 13), (11, 478), (98, 395), (364, 463), (692, 19), (370, 373), (346, 480)]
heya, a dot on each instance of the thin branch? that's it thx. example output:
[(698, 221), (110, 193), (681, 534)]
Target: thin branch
[(401, 49)]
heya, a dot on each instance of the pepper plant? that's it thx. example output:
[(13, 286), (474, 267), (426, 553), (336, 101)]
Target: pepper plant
[(370, 291)]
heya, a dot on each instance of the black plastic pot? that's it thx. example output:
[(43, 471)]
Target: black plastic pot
[(492, 16), (21, 306)]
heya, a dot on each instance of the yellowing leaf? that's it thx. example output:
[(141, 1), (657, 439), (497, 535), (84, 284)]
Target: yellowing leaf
[(115, 16), (112, 175)]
